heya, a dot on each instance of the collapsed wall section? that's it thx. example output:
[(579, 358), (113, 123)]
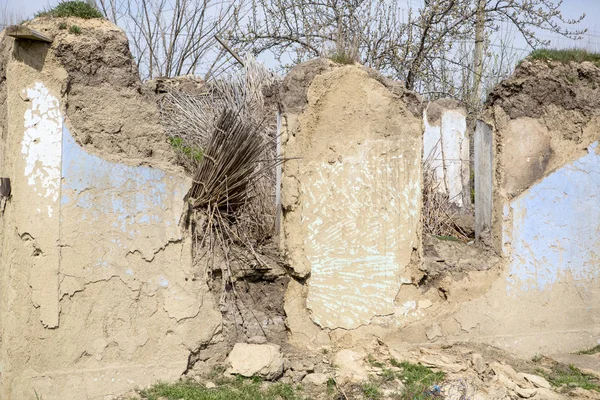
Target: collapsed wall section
[(97, 295), (351, 196), (539, 208)]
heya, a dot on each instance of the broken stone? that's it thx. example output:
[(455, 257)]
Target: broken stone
[(525, 393), (478, 363), (548, 394), (210, 385), (580, 393), (351, 367), (298, 365), (536, 380), (443, 363), (262, 360), (506, 370), (298, 376), (257, 340), (315, 379), (507, 382), (425, 303), (434, 332)]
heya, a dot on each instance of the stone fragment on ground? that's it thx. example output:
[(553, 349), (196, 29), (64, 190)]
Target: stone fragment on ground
[(536, 380), (257, 340), (315, 379), (525, 393), (442, 362), (351, 366), (263, 360)]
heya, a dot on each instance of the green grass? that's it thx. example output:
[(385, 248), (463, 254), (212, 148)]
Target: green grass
[(233, 389), (374, 362), (565, 56), (62, 26), (571, 377), (371, 391), (593, 350), (342, 57), (191, 152), (74, 29), (72, 9), (448, 238), (418, 380)]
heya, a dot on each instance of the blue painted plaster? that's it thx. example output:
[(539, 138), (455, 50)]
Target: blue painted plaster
[(127, 197), (556, 227)]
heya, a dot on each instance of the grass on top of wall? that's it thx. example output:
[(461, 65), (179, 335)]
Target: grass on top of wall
[(565, 56), (75, 8)]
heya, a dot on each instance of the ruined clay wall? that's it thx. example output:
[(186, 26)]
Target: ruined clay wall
[(351, 198), (539, 206), (96, 294), (533, 290), (537, 180)]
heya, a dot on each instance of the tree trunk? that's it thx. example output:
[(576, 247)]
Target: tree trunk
[(478, 56)]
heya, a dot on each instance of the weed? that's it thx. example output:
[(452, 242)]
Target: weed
[(419, 381), (537, 358), (395, 363), (37, 396), (374, 362), (232, 389), (190, 152), (565, 56), (572, 78), (593, 350), (571, 377), (325, 350), (74, 29), (388, 375), (371, 391), (62, 25), (74, 8), (341, 57)]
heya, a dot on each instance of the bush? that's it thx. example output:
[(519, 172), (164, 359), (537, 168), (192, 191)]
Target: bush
[(74, 8)]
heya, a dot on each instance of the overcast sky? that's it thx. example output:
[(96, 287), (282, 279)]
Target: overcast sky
[(571, 9)]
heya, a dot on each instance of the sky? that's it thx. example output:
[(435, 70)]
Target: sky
[(570, 8)]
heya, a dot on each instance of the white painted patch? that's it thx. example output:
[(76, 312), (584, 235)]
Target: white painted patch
[(361, 219), (446, 154), (42, 143)]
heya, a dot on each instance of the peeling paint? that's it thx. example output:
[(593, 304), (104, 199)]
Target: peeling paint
[(41, 145)]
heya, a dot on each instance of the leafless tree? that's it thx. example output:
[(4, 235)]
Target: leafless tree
[(175, 37), (8, 15), (114, 10), (406, 43), (527, 16)]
